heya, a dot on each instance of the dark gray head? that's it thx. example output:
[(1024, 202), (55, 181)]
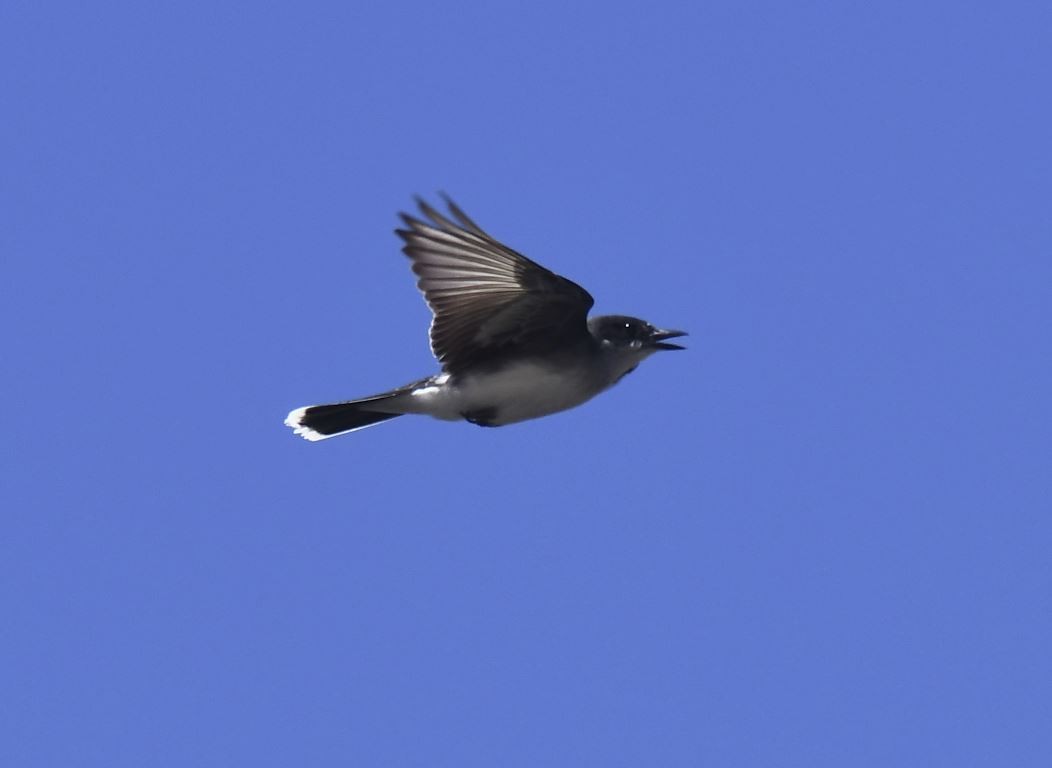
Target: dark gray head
[(626, 341), (631, 333)]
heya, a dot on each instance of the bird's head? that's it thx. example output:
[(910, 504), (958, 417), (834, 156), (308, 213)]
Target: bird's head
[(629, 340)]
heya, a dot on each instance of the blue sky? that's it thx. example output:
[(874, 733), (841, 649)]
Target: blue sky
[(819, 537)]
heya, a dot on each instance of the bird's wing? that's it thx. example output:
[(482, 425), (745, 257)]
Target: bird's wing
[(484, 295)]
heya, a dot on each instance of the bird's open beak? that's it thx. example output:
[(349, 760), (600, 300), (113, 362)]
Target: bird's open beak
[(657, 339)]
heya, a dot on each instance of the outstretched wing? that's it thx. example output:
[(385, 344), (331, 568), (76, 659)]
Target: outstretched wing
[(484, 296)]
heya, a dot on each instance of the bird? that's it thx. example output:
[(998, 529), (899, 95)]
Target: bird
[(514, 339)]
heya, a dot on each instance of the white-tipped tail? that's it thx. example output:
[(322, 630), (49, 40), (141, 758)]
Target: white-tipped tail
[(295, 420), (319, 422)]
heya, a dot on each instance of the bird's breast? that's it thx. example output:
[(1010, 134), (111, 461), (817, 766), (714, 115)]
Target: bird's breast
[(526, 390)]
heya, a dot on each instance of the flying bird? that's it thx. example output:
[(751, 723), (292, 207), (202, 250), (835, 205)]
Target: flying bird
[(514, 339)]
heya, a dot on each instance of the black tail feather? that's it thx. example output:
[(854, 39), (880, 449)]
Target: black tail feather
[(317, 422)]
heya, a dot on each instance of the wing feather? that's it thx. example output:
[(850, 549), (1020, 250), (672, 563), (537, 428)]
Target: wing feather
[(483, 295)]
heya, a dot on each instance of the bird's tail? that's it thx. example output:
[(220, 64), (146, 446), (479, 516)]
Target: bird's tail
[(318, 422)]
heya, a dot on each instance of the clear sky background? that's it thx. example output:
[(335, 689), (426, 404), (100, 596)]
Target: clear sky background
[(820, 537)]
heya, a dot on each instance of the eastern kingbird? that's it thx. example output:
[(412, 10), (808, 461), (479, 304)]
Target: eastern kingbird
[(514, 339)]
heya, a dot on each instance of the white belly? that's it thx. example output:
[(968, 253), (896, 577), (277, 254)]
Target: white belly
[(517, 393)]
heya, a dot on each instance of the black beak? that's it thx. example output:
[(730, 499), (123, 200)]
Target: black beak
[(657, 339)]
